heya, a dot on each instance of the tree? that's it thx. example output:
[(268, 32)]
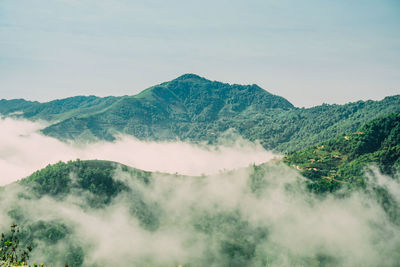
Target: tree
[(10, 252)]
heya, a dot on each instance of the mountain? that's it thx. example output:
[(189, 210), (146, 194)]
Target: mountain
[(165, 110), (96, 213), (69, 107), (93, 187), (101, 213), (192, 108), (342, 160), (56, 110), (92, 183), (322, 205), (8, 107)]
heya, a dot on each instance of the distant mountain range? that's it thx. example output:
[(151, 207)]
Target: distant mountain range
[(192, 108)]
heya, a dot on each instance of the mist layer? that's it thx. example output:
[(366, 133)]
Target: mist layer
[(23, 150)]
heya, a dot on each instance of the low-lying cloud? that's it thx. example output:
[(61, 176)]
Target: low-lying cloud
[(243, 216), (220, 220), (23, 150)]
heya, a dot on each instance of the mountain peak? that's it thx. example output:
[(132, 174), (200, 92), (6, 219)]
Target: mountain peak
[(197, 95), (190, 76)]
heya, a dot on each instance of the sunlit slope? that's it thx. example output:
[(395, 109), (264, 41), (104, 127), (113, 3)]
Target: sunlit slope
[(192, 108), (342, 160)]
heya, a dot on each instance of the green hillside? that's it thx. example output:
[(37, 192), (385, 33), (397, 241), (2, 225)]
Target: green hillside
[(193, 206), (15, 105), (96, 213), (93, 176), (342, 160), (172, 109), (94, 183), (192, 108), (57, 110), (298, 128)]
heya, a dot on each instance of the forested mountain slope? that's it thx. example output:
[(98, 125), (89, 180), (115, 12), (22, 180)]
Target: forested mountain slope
[(56, 110), (170, 110), (91, 182), (342, 160), (99, 213), (192, 108), (15, 105), (76, 212)]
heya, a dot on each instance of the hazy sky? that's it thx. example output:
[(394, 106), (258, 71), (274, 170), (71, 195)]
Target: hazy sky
[(309, 52)]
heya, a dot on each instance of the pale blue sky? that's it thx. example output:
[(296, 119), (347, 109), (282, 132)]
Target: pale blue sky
[(309, 52)]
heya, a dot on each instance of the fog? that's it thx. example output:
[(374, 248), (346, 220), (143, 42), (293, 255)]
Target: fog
[(245, 215), (23, 150), (218, 220)]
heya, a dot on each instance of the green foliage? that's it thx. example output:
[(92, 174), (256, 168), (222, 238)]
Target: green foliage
[(48, 234), (236, 239), (11, 253), (232, 237), (342, 160), (15, 105), (52, 180), (68, 107), (161, 111), (193, 108), (94, 177), (196, 109), (189, 109), (92, 180)]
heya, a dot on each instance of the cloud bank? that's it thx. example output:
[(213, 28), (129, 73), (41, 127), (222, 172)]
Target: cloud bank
[(24, 150), (243, 216), (254, 216)]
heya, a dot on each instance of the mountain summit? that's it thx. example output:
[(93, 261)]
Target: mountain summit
[(192, 76), (193, 108), (205, 99), (165, 110)]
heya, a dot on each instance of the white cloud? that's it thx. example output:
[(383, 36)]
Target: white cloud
[(24, 150), (197, 216)]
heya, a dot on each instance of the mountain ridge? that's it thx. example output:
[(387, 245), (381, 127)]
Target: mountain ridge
[(192, 108)]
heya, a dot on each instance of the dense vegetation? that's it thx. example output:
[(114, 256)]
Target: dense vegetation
[(11, 253), (97, 187), (233, 239), (78, 177), (56, 110), (342, 160), (94, 183), (192, 108)]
